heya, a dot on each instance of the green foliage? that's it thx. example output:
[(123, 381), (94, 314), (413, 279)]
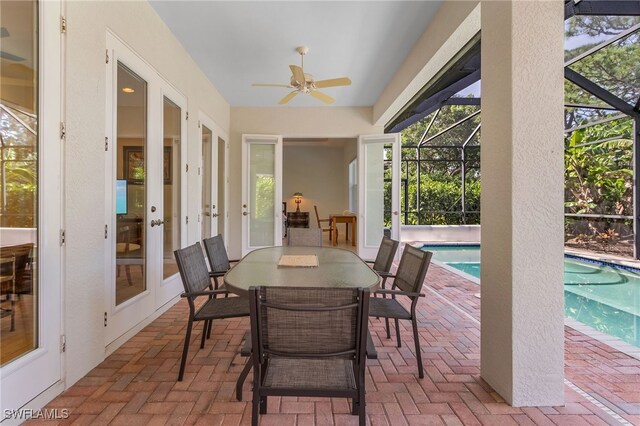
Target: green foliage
[(440, 198), (265, 187)]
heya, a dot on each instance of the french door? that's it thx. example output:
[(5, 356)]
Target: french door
[(146, 189), (378, 192), (214, 179), (261, 191), (30, 348)]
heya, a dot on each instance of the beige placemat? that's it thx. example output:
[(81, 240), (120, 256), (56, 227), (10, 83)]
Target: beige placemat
[(298, 261)]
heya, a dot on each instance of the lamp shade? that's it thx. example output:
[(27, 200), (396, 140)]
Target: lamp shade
[(297, 195)]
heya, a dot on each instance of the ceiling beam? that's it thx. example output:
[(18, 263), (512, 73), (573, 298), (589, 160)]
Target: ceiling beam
[(601, 7)]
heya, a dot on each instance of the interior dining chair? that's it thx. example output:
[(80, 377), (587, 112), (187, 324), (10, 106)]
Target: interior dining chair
[(327, 228), (197, 283), (308, 342), (310, 237), (407, 282)]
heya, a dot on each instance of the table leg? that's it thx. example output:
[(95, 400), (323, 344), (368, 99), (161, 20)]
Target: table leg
[(353, 232), (334, 231), (346, 231)]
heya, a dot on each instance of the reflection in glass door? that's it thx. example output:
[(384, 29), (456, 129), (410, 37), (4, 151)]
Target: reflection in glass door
[(207, 146), (171, 186), (19, 178), (130, 184)]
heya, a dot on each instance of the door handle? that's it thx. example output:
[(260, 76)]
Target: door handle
[(245, 213), (156, 222), (207, 214), (395, 213), (215, 215)]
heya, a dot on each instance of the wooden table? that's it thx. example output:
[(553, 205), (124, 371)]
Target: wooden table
[(346, 219), (337, 268)]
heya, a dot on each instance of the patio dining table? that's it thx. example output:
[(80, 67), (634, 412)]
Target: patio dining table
[(337, 268)]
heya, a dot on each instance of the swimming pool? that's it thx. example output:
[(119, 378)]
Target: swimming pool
[(598, 294)]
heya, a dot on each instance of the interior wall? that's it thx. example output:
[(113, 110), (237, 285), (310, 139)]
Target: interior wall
[(137, 24), (350, 152), (318, 172), (337, 122)]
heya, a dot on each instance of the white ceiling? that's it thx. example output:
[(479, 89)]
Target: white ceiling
[(237, 43)]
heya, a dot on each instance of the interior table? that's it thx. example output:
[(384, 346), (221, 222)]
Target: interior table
[(346, 219), (337, 268)]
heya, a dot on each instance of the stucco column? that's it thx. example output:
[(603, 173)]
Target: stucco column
[(522, 338)]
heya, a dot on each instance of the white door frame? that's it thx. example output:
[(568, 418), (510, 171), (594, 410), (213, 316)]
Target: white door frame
[(368, 249), (247, 140), (172, 286), (31, 374), (119, 319), (217, 133)]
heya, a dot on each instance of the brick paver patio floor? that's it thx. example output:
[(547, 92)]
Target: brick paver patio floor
[(137, 384)]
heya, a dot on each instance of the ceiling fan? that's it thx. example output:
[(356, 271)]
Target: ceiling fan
[(304, 83)]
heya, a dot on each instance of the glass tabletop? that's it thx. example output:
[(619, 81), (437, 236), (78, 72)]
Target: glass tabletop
[(336, 268)]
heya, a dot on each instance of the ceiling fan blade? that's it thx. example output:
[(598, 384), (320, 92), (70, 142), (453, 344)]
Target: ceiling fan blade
[(270, 85), (334, 82), (298, 74), (287, 98), (322, 97)]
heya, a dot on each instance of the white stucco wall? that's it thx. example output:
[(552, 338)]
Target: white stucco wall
[(137, 24), (313, 122), (522, 317)]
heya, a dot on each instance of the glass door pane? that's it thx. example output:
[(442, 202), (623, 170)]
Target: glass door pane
[(379, 192), (261, 194), (207, 142), (261, 191), (19, 179), (171, 186), (131, 194)]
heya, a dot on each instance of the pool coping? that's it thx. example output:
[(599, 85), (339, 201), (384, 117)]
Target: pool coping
[(611, 341)]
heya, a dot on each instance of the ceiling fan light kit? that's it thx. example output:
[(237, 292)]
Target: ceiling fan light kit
[(302, 82)]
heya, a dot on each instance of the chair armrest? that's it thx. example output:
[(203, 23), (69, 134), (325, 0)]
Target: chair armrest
[(400, 293), (386, 274), (204, 293), (217, 273)]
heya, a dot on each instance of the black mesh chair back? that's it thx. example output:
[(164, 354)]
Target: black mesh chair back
[(303, 322), (413, 267), (217, 254), (308, 342), (310, 237), (386, 253), (193, 268)]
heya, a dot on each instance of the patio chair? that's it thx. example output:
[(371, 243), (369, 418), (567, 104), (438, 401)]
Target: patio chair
[(328, 228), (218, 258), (384, 259), (412, 270), (196, 281), (310, 237), (308, 342)]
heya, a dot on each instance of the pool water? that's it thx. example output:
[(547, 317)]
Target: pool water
[(599, 295)]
